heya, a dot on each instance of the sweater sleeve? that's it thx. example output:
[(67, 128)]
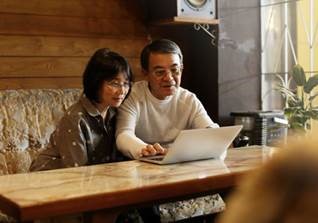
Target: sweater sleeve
[(127, 142), (200, 118)]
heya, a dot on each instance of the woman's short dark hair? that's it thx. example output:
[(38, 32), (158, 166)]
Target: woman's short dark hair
[(159, 46), (104, 65)]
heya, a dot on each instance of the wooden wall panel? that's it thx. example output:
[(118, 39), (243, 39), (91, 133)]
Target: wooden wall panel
[(48, 66), (73, 8), (66, 46), (68, 26), (47, 43), (40, 83)]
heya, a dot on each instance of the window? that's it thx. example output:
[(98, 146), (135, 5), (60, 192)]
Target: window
[(289, 36)]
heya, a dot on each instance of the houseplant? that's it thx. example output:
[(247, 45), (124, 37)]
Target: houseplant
[(299, 107)]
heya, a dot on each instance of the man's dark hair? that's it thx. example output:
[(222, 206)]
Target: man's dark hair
[(104, 65), (159, 46)]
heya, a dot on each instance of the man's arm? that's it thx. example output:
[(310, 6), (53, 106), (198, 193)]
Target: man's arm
[(200, 118), (127, 142), (135, 148)]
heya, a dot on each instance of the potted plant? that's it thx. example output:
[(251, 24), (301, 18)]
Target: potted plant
[(299, 108)]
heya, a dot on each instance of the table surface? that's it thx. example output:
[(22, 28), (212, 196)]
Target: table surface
[(55, 192)]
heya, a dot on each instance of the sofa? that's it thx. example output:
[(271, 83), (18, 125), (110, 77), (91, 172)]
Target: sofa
[(27, 119)]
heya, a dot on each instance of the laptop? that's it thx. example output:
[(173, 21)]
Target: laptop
[(197, 144)]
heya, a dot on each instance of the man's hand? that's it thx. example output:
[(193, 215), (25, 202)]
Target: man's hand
[(151, 150)]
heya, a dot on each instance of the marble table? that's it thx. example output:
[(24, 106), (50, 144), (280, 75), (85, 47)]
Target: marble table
[(108, 188)]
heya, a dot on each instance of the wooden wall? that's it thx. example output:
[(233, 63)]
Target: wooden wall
[(47, 43)]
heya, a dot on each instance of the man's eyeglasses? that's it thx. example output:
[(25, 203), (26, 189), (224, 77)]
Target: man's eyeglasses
[(174, 71), (118, 86)]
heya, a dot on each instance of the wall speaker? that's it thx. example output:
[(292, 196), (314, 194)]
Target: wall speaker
[(165, 9)]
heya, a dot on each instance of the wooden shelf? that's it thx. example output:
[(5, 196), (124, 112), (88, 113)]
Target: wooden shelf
[(185, 20)]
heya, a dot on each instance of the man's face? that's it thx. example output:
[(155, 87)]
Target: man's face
[(164, 74)]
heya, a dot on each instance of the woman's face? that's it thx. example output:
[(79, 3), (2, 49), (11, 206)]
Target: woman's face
[(113, 92)]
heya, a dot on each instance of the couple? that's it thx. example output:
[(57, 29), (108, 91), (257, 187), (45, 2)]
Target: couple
[(152, 115)]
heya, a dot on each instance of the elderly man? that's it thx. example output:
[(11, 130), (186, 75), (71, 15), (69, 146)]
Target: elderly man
[(157, 110)]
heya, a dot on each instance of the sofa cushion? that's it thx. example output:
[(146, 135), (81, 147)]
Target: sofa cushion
[(27, 119)]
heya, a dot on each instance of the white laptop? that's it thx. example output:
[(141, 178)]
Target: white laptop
[(197, 144)]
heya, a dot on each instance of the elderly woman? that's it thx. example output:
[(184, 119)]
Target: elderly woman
[(85, 135)]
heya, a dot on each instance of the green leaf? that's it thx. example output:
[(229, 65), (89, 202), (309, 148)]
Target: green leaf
[(311, 83), (299, 119), (286, 92), (289, 111), (311, 98), (298, 126), (294, 102), (299, 75), (314, 114)]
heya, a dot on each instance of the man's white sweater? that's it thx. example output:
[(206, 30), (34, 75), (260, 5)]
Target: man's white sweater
[(143, 119)]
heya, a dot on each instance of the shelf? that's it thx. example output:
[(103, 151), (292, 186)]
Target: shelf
[(177, 20)]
